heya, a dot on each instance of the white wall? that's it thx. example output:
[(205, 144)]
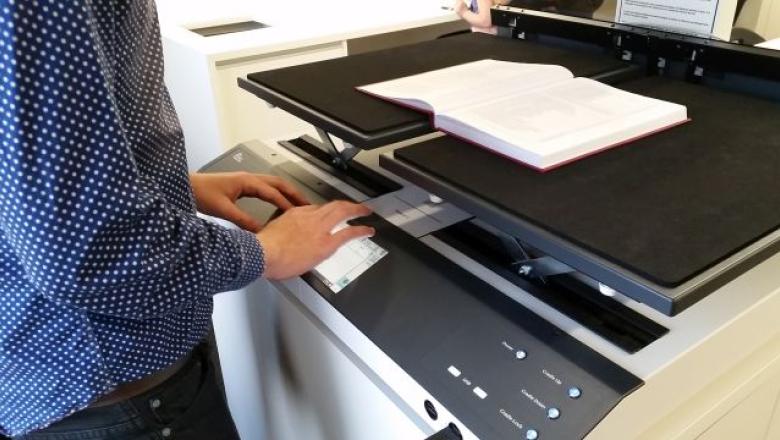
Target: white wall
[(763, 17), (772, 27)]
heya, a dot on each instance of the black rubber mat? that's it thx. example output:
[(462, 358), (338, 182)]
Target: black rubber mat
[(666, 207)]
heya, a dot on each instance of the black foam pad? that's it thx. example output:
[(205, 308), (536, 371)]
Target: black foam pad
[(329, 86), (666, 207)]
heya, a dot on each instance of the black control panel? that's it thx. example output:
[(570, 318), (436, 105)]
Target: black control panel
[(502, 370), (516, 385)]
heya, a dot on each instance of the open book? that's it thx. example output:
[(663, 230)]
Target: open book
[(538, 114)]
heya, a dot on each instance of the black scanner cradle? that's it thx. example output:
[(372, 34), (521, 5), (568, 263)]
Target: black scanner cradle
[(665, 249)]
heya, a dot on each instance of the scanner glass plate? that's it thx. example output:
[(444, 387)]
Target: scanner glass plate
[(348, 263)]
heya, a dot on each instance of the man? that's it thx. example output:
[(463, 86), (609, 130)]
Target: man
[(106, 273), (477, 14)]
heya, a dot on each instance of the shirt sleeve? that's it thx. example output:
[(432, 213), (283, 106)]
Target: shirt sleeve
[(88, 227)]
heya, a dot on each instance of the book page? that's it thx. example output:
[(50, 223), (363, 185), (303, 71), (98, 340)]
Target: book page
[(459, 86), (704, 18), (565, 119)]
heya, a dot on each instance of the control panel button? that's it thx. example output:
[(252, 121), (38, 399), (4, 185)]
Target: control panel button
[(480, 392), (574, 392), (521, 354), (454, 371), (431, 410), (553, 413), (531, 434)]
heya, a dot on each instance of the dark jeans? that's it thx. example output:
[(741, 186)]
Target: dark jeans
[(188, 406)]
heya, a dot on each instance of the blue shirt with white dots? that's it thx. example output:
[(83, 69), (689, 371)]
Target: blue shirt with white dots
[(106, 272)]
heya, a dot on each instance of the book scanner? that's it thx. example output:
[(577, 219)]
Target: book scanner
[(631, 294)]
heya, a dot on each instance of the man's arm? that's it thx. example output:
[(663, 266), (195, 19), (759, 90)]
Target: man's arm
[(89, 229)]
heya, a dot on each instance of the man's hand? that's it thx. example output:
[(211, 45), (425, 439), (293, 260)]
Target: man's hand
[(301, 237), (216, 195)]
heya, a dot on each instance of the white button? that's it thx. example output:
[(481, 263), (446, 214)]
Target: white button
[(575, 393), (155, 403), (521, 354), (454, 371), (553, 413), (166, 432), (606, 290), (480, 392), (531, 434)]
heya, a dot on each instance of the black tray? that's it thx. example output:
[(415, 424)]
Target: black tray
[(324, 94), (666, 219)]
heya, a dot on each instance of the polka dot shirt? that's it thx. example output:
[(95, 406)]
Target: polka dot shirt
[(106, 273)]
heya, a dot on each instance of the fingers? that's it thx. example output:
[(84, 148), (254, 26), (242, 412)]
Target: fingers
[(239, 217), (255, 187), (337, 212), (287, 189), (274, 190), (352, 233)]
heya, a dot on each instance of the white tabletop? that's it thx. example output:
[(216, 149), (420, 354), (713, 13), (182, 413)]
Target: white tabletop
[(292, 24)]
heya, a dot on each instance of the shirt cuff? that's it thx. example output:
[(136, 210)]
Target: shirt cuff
[(251, 259)]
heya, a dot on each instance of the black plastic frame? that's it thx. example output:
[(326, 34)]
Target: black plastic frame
[(622, 326), (704, 53), (357, 175)]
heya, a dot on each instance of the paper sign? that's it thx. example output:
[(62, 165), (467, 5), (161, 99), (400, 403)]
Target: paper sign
[(704, 18), (348, 263)]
